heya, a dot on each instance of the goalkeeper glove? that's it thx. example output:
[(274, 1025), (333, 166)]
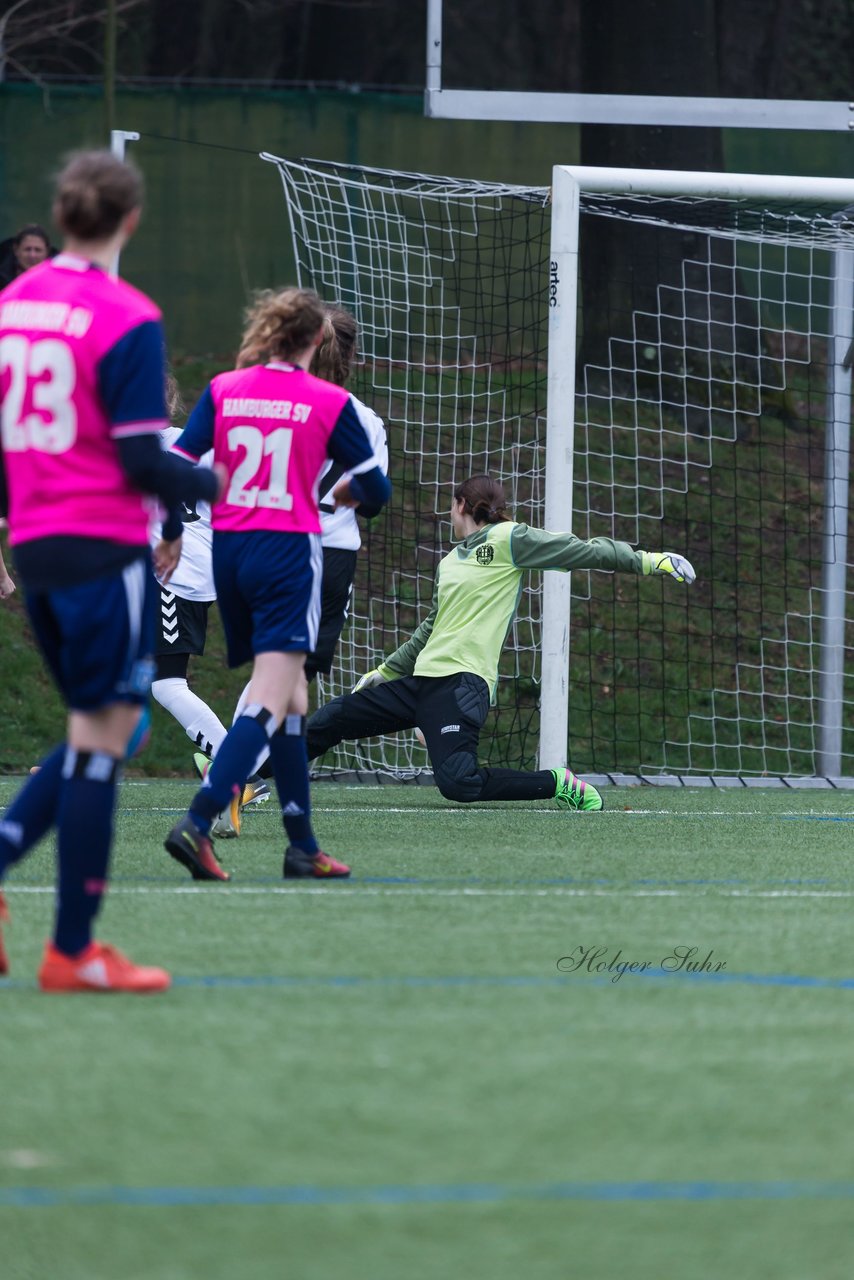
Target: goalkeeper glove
[(378, 676), (668, 562)]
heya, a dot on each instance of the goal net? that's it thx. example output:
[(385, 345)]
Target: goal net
[(709, 381)]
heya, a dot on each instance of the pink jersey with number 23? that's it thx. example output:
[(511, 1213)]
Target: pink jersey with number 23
[(57, 323)]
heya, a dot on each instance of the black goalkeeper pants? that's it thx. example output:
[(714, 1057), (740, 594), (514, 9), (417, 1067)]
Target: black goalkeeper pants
[(449, 711)]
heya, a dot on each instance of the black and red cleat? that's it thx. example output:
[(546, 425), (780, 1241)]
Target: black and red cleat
[(320, 866), (187, 845)]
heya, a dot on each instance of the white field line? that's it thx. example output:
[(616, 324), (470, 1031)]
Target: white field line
[(557, 815), (415, 891)]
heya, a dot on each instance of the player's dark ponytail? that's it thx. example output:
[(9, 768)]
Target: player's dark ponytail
[(335, 354), (93, 192), (483, 499)]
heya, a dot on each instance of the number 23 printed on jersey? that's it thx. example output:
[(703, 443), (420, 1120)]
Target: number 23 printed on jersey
[(47, 368)]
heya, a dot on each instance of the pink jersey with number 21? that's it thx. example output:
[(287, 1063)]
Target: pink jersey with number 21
[(271, 430)]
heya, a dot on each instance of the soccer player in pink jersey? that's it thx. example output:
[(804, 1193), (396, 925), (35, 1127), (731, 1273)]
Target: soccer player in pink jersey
[(82, 389), (272, 425)]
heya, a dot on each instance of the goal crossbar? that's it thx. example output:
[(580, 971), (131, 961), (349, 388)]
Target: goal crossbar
[(637, 109), (733, 186)]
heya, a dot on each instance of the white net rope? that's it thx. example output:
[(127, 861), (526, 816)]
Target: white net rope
[(700, 424), (792, 223), (443, 278), (700, 418)]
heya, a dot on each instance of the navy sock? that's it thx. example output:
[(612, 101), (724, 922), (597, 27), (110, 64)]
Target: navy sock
[(290, 770), (85, 826), (232, 765), (33, 811)]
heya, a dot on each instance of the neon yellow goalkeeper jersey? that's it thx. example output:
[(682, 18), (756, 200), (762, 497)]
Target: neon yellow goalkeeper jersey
[(477, 591)]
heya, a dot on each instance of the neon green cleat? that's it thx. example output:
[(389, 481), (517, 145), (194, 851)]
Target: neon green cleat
[(202, 763), (574, 793), (226, 825)]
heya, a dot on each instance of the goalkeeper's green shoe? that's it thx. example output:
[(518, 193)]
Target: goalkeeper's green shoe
[(575, 793)]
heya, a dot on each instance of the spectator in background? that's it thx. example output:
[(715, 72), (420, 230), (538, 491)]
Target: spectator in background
[(27, 249)]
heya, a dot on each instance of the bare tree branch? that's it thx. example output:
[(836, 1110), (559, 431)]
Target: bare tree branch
[(46, 33)]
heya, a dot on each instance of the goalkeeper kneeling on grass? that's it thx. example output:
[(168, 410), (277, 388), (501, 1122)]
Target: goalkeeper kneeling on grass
[(443, 678)]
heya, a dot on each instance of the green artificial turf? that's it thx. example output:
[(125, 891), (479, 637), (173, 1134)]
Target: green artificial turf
[(391, 1077)]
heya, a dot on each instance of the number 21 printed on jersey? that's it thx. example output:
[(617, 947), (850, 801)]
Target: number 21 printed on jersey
[(276, 446)]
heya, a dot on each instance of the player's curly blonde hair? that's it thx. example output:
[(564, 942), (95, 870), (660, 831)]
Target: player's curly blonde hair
[(175, 406), (279, 324)]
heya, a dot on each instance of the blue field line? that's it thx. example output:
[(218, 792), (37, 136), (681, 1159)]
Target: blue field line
[(509, 981), (515, 980), (441, 1193), (753, 979), (815, 817)]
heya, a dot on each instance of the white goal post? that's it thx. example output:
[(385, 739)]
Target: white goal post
[(569, 184)]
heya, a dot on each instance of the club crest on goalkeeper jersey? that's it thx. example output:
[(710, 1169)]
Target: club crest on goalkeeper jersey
[(273, 427), (81, 365)]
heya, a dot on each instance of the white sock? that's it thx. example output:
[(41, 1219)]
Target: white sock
[(238, 712), (241, 704), (204, 729)]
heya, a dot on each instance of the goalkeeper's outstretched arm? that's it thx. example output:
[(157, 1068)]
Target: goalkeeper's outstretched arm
[(540, 549)]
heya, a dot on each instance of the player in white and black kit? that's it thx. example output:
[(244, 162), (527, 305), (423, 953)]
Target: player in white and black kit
[(341, 535), (182, 624)]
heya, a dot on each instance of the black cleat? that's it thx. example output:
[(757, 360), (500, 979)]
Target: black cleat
[(298, 865), (187, 845)]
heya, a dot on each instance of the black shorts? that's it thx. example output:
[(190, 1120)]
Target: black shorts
[(182, 625), (449, 710), (339, 569)]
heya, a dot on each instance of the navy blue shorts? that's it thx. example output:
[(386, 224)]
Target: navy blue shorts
[(97, 637), (268, 592)]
